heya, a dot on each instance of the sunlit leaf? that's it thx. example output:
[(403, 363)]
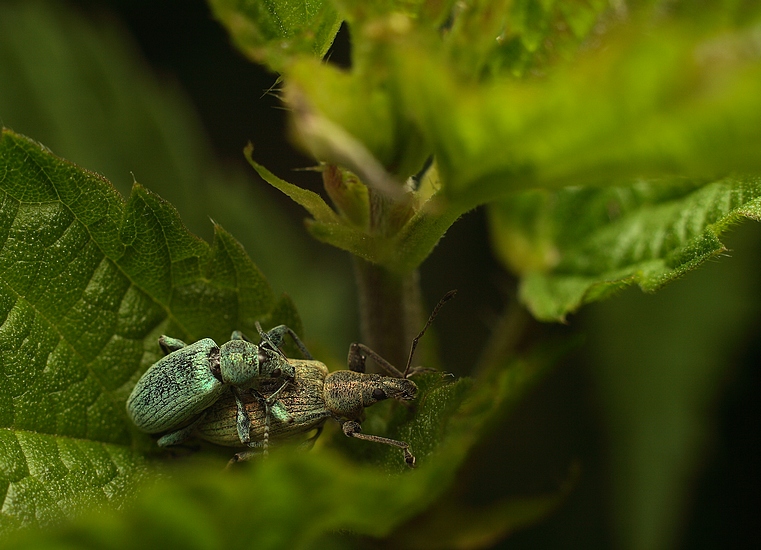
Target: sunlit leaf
[(671, 102), (580, 245), (274, 32)]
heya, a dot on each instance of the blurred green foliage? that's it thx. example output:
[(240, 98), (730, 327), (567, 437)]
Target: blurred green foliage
[(110, 115), (613, 143)]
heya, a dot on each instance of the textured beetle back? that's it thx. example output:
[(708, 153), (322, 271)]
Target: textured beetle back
[(176, 388)]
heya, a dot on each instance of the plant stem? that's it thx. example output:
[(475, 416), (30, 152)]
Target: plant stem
[(390, 310)]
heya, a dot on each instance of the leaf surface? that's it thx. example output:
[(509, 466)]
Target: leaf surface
[(116, 116), (272, 32), (576, 246), (87, 284)]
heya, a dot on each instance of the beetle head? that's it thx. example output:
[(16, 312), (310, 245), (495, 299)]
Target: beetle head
[(274, 364)]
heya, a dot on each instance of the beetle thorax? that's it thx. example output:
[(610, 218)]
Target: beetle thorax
[(239, 362)]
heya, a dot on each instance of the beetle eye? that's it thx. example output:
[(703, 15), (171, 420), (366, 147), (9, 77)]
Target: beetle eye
[(379, 394), (276, 373)]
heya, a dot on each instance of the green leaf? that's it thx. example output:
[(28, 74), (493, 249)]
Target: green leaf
[(115, 116), (668, 98), (87, 284), (353, 118), (453, 524), (670, 101), (274, 33), (423, 12), (108, 112), (490, 39), (310, 200), (402, 50), (576, 246)]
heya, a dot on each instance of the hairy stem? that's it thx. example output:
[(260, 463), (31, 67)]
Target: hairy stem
[(390, 310)]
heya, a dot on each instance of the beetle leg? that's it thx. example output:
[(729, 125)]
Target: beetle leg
[(247, 454), (280, 413), (267, 413), (275, 338), (278, 333), (277, 409), (256, 449), (271, 344), (356, 359), (273, 407), (178, 436), (243, 422), (274, 395), (169, 344), (358, 354), (353, 429)]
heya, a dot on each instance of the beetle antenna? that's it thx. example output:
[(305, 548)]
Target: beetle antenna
[(433, 315), (266, 339)]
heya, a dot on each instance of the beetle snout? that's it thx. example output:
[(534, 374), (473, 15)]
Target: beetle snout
[(409, 394), (402, 389)]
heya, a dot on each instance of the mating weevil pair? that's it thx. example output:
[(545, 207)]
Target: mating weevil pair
[(299, 405), (191, 378)]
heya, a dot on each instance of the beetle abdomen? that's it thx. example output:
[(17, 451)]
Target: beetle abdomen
[(176, 388), (302, 400)]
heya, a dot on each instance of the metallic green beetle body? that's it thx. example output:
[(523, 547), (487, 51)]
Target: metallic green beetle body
[(294, 410), (190, 378), (178, 387)]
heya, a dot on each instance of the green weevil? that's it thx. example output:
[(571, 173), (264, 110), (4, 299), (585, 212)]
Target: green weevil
[(314, 396), (190, 378)]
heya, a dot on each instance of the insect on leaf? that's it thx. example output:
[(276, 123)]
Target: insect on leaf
[(87, 284)]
